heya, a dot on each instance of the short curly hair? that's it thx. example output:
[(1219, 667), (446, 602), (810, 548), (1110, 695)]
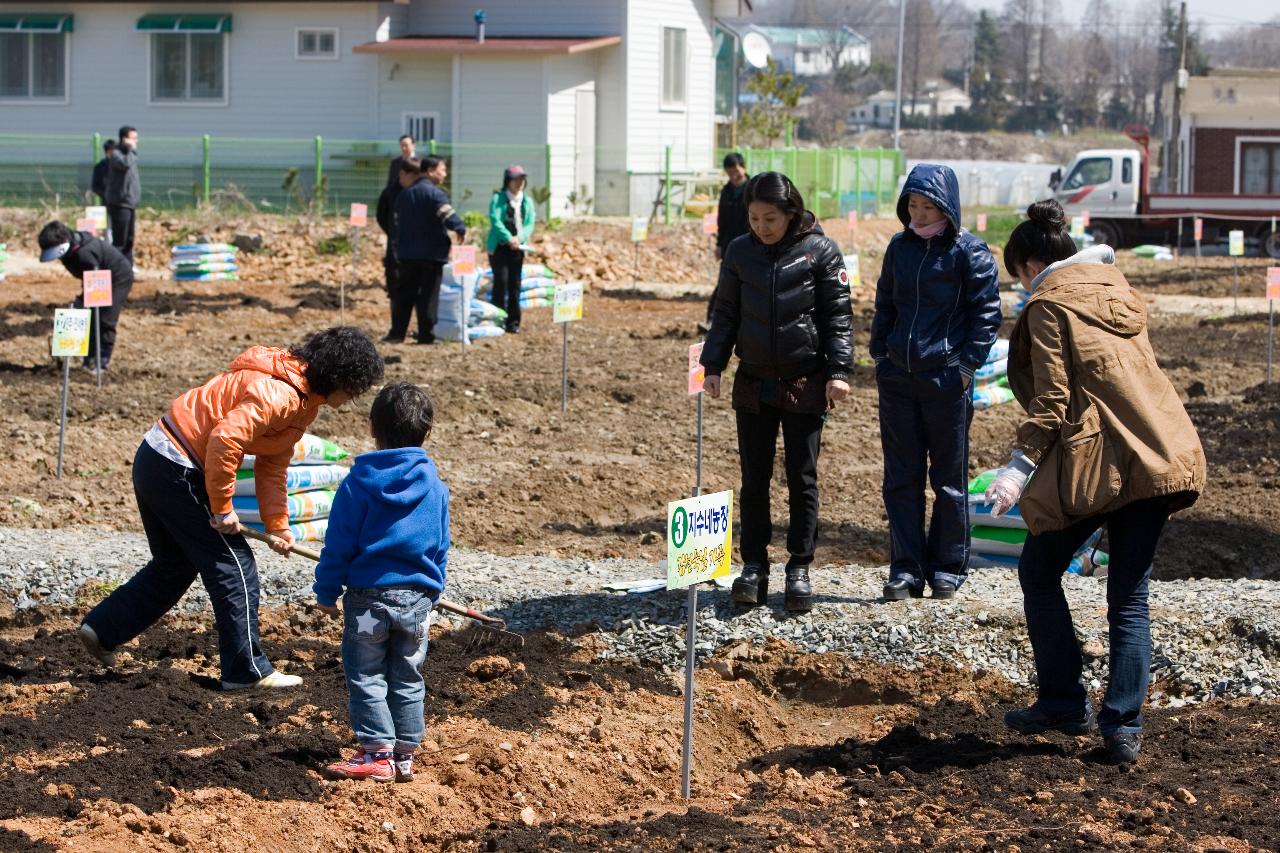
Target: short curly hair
[(341, 358)]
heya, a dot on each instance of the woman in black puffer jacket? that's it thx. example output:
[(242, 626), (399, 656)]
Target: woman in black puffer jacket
[(783, 302)]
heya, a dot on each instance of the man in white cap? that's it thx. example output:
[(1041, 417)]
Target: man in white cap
[(80, 251)]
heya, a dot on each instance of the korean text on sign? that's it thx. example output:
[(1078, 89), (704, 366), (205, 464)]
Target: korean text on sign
[(97, 288), (568, 303), (697, 373), (639, 229), (1235, 243), (71, 332), (462, 260), (699, 539), (359, 215)]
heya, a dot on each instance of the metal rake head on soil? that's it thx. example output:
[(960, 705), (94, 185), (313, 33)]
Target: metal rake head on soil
[(490, 628)]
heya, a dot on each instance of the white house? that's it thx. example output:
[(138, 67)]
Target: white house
[(935, 101), (592, 92), (808, 51)]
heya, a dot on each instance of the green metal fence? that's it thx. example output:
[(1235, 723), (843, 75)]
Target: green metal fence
[(289, 175)]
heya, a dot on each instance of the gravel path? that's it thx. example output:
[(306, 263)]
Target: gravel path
[(1212, 637)]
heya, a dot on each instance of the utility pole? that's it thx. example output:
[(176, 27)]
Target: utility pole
[(1179, 82), (897, 103)]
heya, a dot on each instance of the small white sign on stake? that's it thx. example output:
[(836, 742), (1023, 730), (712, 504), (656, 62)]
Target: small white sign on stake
[(697, 373), (98, 213), (639, 229), (1077, 226), (982, 222), (359, 215), (97, 288), (699, 539), (710, 223), (1235, 243), (568, 303), (71, 332)]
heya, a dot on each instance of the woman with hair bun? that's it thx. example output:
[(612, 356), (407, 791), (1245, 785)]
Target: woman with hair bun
[(782, 303), (1110, 444)]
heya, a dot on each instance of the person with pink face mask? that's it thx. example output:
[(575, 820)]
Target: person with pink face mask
[(937, 315)]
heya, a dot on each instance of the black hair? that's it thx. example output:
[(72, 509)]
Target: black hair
[(411, 164), (54, 234), (405, 136), (401, 416), (430, 162), (776, 189), (108, 145), (734, 159), (125, 130), (341, 358), (1043, 237)]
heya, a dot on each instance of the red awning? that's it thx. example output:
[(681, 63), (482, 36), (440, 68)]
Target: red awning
[(457, 44)]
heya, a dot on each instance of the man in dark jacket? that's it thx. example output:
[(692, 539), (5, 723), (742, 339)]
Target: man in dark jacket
[(386, 216), (937, 315), (124, 191), (731, 215), (80, 251), (101, 170), (424, 218), (407, 152)]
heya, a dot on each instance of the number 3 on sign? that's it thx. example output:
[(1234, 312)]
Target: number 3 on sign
[(97, 288)]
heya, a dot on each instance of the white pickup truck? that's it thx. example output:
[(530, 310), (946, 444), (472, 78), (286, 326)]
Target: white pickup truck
[(1110, 185)]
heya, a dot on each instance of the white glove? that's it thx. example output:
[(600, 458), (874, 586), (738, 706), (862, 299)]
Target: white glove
[(1005, 490)]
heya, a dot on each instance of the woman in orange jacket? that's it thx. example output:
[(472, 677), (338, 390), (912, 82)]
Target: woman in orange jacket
[(184, 476)]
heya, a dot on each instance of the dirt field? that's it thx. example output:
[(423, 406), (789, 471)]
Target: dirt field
[(562, 751)]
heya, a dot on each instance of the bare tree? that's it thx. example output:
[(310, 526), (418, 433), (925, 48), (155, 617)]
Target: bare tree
[(827, 115), (921, 59), (1019, 20)]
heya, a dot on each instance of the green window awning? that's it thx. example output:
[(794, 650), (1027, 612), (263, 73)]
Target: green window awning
[(184, 24), (35, 23)]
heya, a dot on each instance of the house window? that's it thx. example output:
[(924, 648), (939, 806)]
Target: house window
[(1260, 168), (317, 44), (674, 61), (1089, 173), (420, 126), (33, 57), (188, 57)]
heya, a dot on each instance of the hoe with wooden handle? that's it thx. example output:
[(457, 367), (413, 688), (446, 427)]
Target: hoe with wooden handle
[(489, 623)]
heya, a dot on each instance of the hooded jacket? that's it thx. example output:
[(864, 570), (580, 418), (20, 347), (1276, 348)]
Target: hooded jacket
[(785, 308), (261, 405), (1104, 424), (424, 218), (937, 300), (124, 189), (389, 526), (88, 252)]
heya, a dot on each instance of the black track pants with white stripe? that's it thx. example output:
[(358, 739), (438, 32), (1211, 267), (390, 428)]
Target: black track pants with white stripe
[(175, 514)]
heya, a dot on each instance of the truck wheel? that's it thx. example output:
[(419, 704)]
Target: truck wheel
[(1104, 231), (1270, 243)]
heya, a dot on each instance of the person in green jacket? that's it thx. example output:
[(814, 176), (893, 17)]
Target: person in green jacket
[(511, 220)]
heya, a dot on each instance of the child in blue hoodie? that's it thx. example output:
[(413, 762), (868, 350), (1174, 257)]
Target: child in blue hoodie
[(388, 545)]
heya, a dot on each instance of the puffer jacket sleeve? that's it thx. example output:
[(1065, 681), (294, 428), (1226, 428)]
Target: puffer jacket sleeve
[(265, 402), (886, 313), (1051, 374), (982, 299), (833, 310), (725, 317)]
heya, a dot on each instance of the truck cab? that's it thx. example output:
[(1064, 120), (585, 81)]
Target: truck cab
[(1106, 182)]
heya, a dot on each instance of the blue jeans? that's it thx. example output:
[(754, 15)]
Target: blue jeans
[(924, 430), (1133, 533), (384, 644)]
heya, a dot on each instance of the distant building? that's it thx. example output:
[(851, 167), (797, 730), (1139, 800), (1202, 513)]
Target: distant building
[(935, 102), (1228, 139), (807, 51)]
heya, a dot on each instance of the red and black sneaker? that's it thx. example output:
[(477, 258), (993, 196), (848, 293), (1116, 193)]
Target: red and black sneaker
[(364, 765)]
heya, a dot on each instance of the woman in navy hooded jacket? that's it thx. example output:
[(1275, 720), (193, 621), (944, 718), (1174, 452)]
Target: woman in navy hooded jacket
[(937, 315)]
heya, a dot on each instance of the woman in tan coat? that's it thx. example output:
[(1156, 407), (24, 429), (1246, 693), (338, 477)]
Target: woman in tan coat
[(1109, 443)]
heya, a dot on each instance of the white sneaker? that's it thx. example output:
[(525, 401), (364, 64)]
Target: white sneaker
[(89, 637), (274, 681)]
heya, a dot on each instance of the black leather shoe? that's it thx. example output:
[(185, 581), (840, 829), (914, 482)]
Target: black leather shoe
[(901, 590), (1122, 748), (944, 589), (390, 339), (799, 596), (752, 586), (1033, 721)]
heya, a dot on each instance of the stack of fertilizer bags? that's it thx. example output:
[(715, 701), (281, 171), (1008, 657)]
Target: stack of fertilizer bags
[(204, 262), (311, 480), (537, 286), (482, 319), (4, 256), (1000, 540), (991, 382)]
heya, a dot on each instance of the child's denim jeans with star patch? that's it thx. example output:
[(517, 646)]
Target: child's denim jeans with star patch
[(384, 644)]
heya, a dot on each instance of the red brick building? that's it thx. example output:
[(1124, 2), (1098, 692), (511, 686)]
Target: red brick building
[(1229, 134)]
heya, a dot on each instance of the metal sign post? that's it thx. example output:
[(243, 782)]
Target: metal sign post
[(70, 339), (1199, 233), (566, 309), (639, 233)]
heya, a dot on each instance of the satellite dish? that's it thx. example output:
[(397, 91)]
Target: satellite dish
[(755, 48)]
